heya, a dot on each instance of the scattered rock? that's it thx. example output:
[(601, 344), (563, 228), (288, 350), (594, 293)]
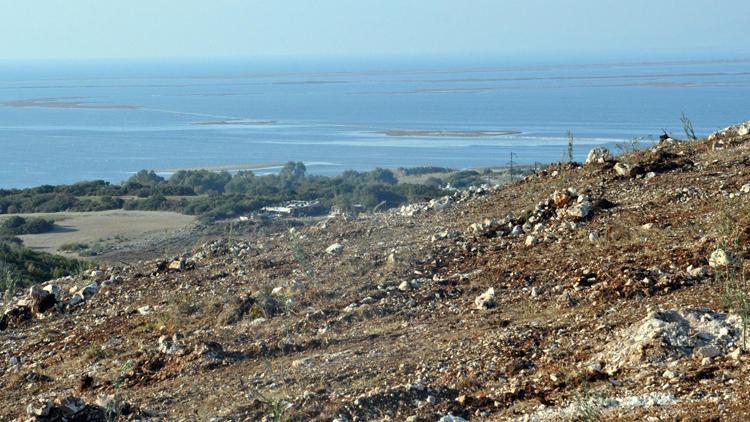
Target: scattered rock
[(698, 272), (39, 407), (335, 249), (719, 258), (673, 334), (580, 211), (176, 265), (486, 300), (624, 170), (173, 345), (41, 300), (561, 199), (598, 155), (88, 291)]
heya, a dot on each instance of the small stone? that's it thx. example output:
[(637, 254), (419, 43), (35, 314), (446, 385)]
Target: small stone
[(177, 265), (561, 198), (39, 407), (736, 353), (516, 231), (698, 272), (708, 352), (145, 310), (624, 170), (670, 375), (579, 211), (404, 286), (451, 418), (72, 405), (53, 289), (531, 240), (719, 258), (593, 236), (77, 299), (89, 291), (486, 300), (335, 249)]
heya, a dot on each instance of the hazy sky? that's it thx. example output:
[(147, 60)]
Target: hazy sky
[(89, 29)]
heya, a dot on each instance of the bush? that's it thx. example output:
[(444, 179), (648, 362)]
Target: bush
[(15, 226), (32, 266), (464, 179)]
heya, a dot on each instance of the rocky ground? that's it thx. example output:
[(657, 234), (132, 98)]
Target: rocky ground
[(584, 292)]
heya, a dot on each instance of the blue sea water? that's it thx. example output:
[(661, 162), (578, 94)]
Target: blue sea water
[(67, 122)]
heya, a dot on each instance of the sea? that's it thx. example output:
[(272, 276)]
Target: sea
[(64, 122)]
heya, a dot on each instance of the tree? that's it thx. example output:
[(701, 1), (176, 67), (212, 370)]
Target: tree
[(145, 178), (293, 170), (383, 176)]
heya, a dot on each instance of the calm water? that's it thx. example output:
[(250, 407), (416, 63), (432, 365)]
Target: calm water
[(62, 123)]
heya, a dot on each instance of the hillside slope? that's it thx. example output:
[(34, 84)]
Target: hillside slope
[(580, 292)]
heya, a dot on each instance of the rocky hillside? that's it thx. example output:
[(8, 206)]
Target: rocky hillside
[(609, 290)]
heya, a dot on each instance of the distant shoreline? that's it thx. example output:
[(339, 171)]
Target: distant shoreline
[(229, 122), (223, 167), (448, 133)]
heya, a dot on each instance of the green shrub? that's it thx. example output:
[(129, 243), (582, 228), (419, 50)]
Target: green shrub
[(15, 226)]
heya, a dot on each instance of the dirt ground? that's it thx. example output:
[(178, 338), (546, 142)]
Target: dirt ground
[(105, 228)]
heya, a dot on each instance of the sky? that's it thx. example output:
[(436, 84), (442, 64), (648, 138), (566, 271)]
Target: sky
[(121, 29)]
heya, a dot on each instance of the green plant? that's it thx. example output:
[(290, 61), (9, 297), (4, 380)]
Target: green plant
[(736, 296), (8, 283), (569, 151), (116, 405), (93, 352), (275, 407), (687, 126), (587, 406), (122, 374), (301, 256), (73, 247)]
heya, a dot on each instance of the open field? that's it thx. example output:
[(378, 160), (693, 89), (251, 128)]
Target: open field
[(104, 228)]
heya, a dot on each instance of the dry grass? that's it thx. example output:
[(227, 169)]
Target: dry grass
[(105, 228)]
